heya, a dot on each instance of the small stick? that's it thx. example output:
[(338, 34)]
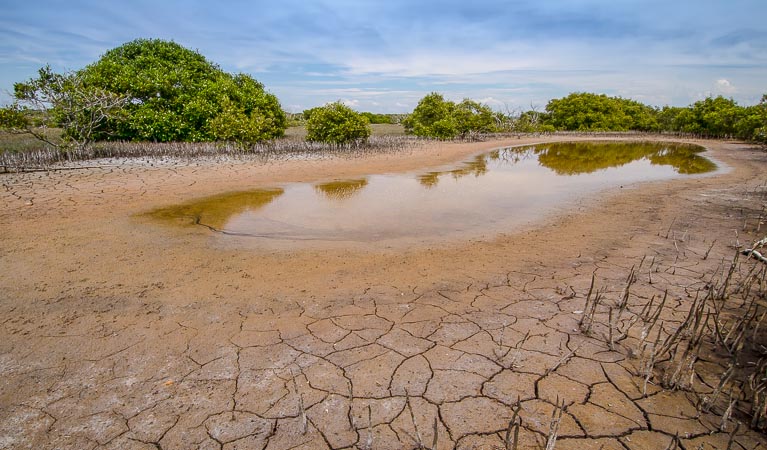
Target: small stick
[(709, 250), (669, 227), (731, 440), (436, 435), (674, 444), (369, 443), (651, 362), (415, 425), (610, 341), (304, 420), (513, 429), (556, 419), (588, 298), (562, 361)]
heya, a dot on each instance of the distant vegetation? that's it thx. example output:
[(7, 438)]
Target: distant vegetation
[(336, 123), (373, 118), (713, 117), (151, 90), (436, 117), (718, 117)]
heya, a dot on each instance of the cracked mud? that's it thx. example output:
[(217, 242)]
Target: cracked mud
[(118, 335)]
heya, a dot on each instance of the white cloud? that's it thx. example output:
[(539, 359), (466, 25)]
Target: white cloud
[(723, 86), (492, 101)]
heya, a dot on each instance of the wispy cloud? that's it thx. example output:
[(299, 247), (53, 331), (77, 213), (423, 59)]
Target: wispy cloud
[(383, 56)]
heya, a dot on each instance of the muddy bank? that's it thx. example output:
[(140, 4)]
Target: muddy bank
[(117, 333)]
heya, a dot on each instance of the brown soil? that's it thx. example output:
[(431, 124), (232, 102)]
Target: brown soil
[(118, 333)]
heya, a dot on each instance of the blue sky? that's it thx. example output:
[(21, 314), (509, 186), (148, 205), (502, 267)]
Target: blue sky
[(384, 55)]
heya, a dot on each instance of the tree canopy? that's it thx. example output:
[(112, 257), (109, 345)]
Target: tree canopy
[(598, 112), (436, 117), (336, 123), (147, 90), (178, 95), (717, 117)]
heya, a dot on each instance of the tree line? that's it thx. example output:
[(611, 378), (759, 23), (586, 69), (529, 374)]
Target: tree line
[(158, 91), (714, 117)]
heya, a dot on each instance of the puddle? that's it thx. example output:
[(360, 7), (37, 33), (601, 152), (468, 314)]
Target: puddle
[(214, 212), (490, 193)]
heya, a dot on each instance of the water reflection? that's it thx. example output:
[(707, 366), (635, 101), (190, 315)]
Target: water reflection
[(429, 179), (341, 189), (477, 166), (487, 194), (575, 158), (215, 211)]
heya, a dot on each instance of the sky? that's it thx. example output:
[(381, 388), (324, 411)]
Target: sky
[(383, 56)]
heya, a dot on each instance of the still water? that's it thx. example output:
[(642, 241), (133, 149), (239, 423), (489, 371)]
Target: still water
[(488, 194)]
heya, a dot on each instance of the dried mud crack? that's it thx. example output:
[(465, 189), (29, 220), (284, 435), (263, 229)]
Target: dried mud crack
[(115, 337)]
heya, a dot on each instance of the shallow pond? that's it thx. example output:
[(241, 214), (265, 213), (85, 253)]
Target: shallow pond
[(490, 193)]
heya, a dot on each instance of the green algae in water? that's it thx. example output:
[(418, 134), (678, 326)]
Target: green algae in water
[(216, 210)]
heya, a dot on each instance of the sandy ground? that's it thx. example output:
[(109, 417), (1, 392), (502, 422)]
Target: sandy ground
[(118, 333)]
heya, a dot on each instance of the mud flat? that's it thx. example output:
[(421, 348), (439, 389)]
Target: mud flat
[(117, 333)]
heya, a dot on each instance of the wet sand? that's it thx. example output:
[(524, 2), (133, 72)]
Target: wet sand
[(118, 333)]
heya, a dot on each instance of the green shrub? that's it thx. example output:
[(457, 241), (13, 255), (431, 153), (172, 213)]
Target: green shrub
[(374, 118), (711, 116), (336, 123), (583, 111), (177, 95), (438, 118), (473, 117)]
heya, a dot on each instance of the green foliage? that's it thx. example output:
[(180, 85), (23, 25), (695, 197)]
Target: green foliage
[(373, 118), (13, 117), (308, 112), (336, 123), (63, 101), (751, 123), (714, 117), (667, 117), (598, 112), (722, 117), (431, 118), (471, 116), (378, 118), (438, 118), (759, 132), (177, 95)]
